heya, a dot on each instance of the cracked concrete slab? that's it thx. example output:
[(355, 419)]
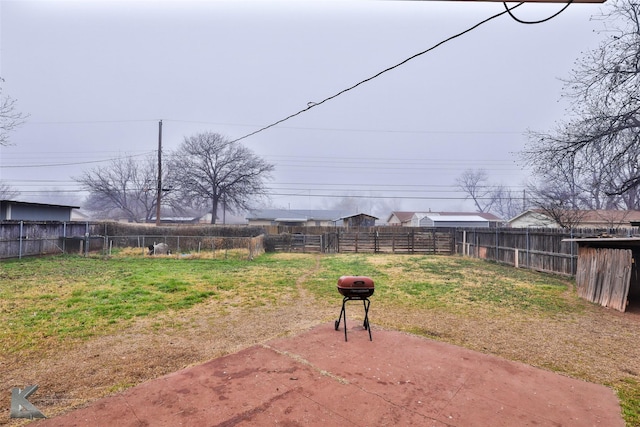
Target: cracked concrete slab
[(318, 379)]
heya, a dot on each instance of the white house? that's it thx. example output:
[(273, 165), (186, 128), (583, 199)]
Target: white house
[(579, 219), (400, 218)]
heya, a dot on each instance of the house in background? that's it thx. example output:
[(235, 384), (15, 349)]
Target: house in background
[(295, 217), (79, 215), (532, 218), (400, 218), (408, 219), (436, 219), (359, 220), (578, 219), (11, 210)]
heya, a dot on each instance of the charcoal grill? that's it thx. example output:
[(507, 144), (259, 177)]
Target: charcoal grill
[(355, 288)]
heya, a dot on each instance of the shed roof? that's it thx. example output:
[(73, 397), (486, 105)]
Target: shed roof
[(403, 216), (358, 214), (607, 242), (15, 202), (456, 218), (295, 214)]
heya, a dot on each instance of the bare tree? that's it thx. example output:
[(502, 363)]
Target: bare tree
[(10, 118), (124, 188), (475, 184), (598, 142), (210, 170), (506, 202), (497, 199), (7, 192), (556, 202)]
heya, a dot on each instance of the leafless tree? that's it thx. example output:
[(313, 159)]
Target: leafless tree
[(506, 202), (10, 118), (475, 184), (125, 187), (598, 141), (209, 170), (556, 202), (487, 197), (7, 192)]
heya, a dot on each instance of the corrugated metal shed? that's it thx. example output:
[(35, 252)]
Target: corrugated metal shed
[(432, 219), (28, 211)]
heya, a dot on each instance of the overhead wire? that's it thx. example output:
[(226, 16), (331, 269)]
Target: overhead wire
[(311, 105), (521, 21), (43, 165)]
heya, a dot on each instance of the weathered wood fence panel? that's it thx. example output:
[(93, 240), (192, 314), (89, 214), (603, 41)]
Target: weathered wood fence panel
[(29, 238), (294, 243), (536, 249), (402, 240), (367, 240), (603, 276)]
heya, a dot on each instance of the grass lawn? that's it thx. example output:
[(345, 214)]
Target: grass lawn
[(86, 327)]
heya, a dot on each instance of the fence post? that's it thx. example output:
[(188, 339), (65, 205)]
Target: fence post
[(527, 245), (20, 240), (464, 242), (86, 236), (433, 236), (516, 255), (573, 244), (64, 237), (393, 243), (375, 243)]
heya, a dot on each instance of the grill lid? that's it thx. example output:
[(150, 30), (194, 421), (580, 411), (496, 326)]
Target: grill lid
[(355, 286)]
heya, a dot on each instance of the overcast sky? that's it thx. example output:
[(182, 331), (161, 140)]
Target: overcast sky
[(97, 76)]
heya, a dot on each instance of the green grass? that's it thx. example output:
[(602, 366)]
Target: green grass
[(71, 297), (462, 285), (629, 395)]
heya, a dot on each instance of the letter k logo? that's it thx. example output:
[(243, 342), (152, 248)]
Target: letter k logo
[(20, 406)]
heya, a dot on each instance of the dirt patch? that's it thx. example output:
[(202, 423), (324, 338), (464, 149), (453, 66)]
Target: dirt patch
[(69, 378)]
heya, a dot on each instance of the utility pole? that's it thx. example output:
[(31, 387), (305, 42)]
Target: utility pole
[(159, 200)]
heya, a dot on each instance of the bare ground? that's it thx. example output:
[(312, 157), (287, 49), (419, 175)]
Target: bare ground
[(598, 345)]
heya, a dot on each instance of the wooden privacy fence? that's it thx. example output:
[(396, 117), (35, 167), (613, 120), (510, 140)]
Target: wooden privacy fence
[(374, 240), (540, 249), (28, 238), (537, 249)]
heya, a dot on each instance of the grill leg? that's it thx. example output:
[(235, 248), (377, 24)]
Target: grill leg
[(343, 314), (366, 302)]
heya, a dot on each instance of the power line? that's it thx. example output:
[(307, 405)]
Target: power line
[(348, 196), (46, 165), (311, 105)]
